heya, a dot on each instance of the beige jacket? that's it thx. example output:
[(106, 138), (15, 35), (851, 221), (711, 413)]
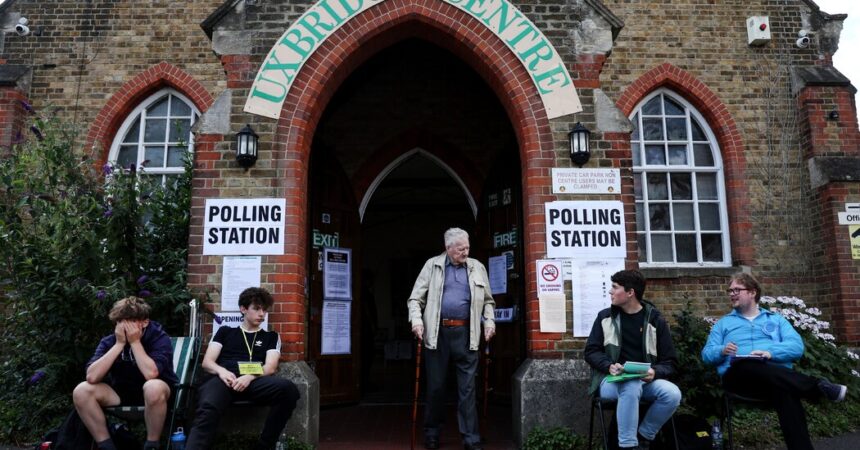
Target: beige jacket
[(427, 296)]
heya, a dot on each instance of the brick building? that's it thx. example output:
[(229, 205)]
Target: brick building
[(405, 117)]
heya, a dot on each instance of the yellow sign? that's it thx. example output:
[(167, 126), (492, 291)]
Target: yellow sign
[(854, 238)]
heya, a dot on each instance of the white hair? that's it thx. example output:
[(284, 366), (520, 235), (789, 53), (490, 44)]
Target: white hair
[(455, 234)]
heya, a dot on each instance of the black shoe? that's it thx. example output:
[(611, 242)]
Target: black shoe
[(476, 446), (644, 444), (431, 442), (833, 392)]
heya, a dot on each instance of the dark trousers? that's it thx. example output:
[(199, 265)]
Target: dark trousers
[(784, 388), (452, 345), (215, 397)]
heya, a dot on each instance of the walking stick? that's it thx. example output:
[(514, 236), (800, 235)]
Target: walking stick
[(486, 377), (415, 399)]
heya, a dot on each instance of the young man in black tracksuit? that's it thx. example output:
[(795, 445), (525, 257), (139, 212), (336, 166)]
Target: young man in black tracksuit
[(242, 362), (632, 329)]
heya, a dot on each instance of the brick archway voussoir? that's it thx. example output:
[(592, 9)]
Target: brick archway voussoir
[(127, 97)]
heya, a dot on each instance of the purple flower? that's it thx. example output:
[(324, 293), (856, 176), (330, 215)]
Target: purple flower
[(108, 212), (218, 319), (144, 293), (37, 132), (37, 376), (101, 294), (19, 138), (27, 107), (143, 279), (107, 169)]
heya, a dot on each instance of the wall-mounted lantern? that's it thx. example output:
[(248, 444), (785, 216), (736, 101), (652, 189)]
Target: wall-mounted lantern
[(246, 147), (580, 144)]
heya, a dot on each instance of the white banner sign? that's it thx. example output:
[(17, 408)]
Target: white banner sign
[(585, 230), (233, 226), (528, 44), (586, 181), (233, 319)]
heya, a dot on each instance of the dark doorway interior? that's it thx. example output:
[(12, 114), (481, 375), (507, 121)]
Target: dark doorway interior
[(424, 131)]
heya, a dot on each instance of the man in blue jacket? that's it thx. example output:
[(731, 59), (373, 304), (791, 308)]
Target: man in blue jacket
[(753, 349), (632, 330), (132, 366)]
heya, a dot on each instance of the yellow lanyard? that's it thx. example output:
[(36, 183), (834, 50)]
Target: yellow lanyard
[(248, 346)]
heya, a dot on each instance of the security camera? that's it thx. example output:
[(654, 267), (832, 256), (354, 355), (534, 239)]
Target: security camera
[(802, 42), (21, 27)]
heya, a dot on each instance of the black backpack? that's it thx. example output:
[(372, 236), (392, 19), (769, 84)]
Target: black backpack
[(694, 433), (72, 434)]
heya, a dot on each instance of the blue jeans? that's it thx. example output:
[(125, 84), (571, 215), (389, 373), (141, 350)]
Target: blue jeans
[(665, 398)]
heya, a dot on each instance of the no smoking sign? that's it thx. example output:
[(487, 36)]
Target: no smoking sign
[(550, 279)]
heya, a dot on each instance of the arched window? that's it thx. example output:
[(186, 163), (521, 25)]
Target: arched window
[(681, 218), (156, 135)]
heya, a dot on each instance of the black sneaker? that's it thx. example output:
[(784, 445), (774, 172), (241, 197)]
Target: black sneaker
[(833, 392), (644, 444)]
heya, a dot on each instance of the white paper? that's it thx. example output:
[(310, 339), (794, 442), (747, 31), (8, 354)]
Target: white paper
[(549, 276), (335, 328), (238, 274), (552, 312), (498, 275), (233, 319), (244, 226), (590, 290), (586, 181), (337, 276), (585, 230)]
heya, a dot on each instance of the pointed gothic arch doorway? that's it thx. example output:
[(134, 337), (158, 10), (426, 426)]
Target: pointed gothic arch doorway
[(412, 143)]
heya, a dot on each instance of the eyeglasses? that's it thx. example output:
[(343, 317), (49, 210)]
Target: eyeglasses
[(735, 291)]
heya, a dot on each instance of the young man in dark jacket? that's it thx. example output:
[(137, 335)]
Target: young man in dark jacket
[(632, 330), (132, 366)]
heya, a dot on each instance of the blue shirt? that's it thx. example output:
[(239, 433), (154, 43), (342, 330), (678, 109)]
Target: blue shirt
[(456, 294), (768, 331)]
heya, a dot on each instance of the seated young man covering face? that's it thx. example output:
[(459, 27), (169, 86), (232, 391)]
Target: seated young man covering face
[(241, 363), (131, 367)]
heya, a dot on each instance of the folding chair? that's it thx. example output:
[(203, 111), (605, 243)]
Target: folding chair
[(729, 398), (606, 404), (186, 352)]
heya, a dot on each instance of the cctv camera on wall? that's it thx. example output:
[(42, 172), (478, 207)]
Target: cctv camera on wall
[(21, 27), (804, 38)]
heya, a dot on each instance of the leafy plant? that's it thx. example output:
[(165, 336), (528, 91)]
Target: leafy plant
[(74, 241), (699, 383), (559, 438)]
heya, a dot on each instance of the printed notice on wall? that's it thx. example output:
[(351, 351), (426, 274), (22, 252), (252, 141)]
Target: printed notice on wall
[(233, 319), (549, 277), (590, 291), (335, 328), (498, 275), (337, 276), (586, 181), (585, 230), (235, 226), (238, 273), (854, 238), (552, 312)]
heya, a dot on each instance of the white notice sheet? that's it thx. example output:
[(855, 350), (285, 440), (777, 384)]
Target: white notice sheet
[(335, 328), (239, 273), (337, 277), (553, 317), (590, 289), (498, 275)]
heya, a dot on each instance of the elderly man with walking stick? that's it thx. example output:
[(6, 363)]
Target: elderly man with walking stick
[(450, 300)]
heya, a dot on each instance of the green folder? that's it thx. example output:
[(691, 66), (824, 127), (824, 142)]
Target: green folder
[(624, 377)]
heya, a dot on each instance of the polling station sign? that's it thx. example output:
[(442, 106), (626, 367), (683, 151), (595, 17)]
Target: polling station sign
[(592, 230), (242, 226)]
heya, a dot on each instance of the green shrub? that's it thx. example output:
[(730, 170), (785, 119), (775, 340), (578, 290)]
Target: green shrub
[(74, 241), (559, 438), (699, 383)]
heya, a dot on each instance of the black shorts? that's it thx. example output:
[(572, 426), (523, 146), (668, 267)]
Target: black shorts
[(133, 395)]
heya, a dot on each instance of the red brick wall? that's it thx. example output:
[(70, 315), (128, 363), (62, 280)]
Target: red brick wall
[(12, 116)]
